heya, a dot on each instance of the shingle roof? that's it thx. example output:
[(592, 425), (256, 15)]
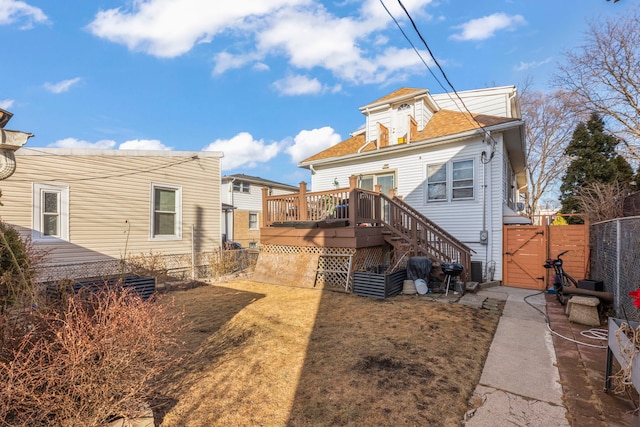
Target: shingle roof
[(443, 123), (257, 180), (404, 91)]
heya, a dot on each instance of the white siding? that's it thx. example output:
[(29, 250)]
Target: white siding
[(464, 218), (110, 197), (495, 102)]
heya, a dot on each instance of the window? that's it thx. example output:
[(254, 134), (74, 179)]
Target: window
[(253, 221), (50, 212), (462, 187), (437, 182), (241, 187), (166, 218), (385, 180), (451, 181)]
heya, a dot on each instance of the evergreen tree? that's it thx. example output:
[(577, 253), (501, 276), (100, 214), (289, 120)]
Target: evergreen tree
[(594, 160)]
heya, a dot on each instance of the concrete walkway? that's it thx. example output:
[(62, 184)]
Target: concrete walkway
[(519, 385)]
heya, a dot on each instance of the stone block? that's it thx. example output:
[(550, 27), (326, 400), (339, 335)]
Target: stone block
[(584, 310)]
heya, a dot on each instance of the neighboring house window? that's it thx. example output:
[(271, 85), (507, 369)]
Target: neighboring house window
[(451, 181), (437, 182), (241, 187), (462, 182), (253, 221), (404, 107), (50, 212), (166, 216)]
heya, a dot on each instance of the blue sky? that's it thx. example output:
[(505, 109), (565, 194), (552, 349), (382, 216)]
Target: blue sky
[(267, 82)]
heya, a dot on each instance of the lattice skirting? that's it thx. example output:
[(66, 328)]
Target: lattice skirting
[(336, 265)]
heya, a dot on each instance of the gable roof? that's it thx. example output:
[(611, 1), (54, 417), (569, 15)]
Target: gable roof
[(258, 181), (443, 123), (400, 93)]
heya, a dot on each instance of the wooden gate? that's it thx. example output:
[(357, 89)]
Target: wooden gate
[(527, 246)]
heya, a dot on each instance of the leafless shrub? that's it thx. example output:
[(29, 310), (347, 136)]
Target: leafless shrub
[(602, 201), (85, 361), (148, 264), (225, 262)]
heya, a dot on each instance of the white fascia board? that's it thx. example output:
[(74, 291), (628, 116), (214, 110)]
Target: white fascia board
[(413, 145), (384, 104)]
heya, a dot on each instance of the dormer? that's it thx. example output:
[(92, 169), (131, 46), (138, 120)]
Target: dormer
[(394, 118)]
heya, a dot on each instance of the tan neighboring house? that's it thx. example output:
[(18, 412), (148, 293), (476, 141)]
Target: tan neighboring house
[(242, 206), (88, 206)]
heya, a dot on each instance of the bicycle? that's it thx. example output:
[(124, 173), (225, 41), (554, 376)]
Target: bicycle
[(560, 278)]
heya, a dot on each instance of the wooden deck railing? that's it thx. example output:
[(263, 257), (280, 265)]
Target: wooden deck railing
[(372, 208), (424, 236)]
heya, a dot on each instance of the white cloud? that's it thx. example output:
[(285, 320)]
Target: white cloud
[(243, 150), (62, 86), (13, 10), (309, 142), (5, 104), (79, 143), (486, 27), (523, 66), (298, 85), (143, 144), (303, 32), (169, 28)]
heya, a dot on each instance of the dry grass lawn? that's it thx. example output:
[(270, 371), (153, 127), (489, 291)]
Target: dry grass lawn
[(269, 355)]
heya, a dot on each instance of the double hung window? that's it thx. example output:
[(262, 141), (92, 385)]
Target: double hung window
[(454, 180), (166, 215), (50, 212)]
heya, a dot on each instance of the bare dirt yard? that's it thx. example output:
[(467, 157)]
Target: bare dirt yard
[(269, 355)]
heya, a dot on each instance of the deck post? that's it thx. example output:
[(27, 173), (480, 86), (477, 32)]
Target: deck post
[(302, 202), (353, 200), (265, 208)]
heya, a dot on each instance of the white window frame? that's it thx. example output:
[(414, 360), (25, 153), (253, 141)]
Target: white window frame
[(445, 182), (37, 234), (374, 176), (177, 235), (241, 187), (257, 225), (449, 181), (473, 180)]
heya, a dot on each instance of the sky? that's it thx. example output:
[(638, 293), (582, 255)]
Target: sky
[(267, 82)]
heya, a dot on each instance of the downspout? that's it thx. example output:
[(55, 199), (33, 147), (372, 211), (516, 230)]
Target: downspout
[(233, 213)]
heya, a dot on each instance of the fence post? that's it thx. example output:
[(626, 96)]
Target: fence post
[(354, 201), (618, 303)]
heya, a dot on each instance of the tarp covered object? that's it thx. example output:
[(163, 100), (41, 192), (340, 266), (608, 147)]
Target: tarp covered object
[(419, 267)]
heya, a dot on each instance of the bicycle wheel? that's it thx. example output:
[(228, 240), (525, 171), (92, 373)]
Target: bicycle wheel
[(562, 298), (570, 281)]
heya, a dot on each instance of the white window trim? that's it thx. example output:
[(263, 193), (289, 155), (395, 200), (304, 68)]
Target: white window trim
[(449, 182), (178, 219), (473, 186), (36, 233), (257, 227)]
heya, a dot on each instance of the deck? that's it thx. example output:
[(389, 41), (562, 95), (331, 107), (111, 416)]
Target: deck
[(356, 218)]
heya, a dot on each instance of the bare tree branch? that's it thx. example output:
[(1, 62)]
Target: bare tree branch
[(548, 127), (603, 75)]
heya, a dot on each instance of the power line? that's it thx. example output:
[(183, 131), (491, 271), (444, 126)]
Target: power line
[(424, 42)]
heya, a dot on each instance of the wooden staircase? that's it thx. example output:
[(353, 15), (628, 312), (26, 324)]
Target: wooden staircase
[(410, 233)]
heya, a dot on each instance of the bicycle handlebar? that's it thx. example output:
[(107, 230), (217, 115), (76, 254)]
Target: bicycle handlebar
[(562, 253)]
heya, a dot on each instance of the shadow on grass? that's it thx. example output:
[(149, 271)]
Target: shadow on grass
[(398, 361), (207, 309)]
